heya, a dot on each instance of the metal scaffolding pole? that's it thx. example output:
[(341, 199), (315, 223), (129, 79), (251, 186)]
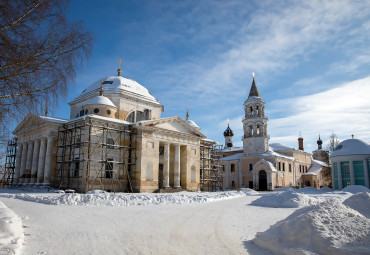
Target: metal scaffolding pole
[(7, 177), (211, 173)]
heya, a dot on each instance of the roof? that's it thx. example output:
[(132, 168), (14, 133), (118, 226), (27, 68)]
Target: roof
[(276, 154), (233, 157), (280, 147), (351, 147), (232, 149), (117, 85), (53, 119), (316, 167), (254, 90), (100, 100)]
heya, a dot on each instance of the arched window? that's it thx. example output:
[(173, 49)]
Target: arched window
[(257, 110), (131, 117), (251, 130), (258, 130), (251, 108)]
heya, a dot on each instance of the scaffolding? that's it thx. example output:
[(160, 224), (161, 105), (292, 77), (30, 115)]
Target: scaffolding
[(96, 155), (211, 170), (7, 177)]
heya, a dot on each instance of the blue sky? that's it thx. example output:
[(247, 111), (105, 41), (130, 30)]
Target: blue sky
[(311, 60)]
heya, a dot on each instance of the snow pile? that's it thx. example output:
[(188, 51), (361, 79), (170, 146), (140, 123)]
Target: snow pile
[(101, 198), (286, 199), (355, 189), (310, 190), (11, 232), (283, 189), (326, 189), (359, 202), (327, 228)]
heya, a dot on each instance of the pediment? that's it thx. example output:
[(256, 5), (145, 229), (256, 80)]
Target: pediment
[(31, 122), (174, 124)]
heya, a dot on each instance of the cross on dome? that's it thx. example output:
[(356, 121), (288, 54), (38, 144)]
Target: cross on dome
[(119, 67)]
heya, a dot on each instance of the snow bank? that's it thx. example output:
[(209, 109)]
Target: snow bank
[(286, 199), (326, 189), (11, 232), (310, 190), (327, 228), (283, 189), (99, 198), (355, 189), (359, 202)]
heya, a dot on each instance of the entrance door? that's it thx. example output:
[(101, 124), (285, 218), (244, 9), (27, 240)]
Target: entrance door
[(262, 180), (160, 176)]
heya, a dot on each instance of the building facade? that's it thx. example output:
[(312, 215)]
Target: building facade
[(263, 166), (115, 140), (351, 163)]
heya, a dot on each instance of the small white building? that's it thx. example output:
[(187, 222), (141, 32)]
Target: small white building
[(351, 163)]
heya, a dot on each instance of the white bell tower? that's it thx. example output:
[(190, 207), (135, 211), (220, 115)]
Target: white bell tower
[(255, 139)]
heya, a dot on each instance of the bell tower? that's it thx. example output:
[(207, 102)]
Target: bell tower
[(255, 139)]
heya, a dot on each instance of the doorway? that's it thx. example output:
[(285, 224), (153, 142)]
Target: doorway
[(262, 180)]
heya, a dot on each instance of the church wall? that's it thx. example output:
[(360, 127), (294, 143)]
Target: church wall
[(126, 106), (193, 158)]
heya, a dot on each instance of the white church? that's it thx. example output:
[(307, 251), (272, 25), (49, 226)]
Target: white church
[(263, 166), (115, 140)]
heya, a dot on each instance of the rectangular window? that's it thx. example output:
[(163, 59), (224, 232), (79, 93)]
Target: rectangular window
[(279, 166), (76, 172), (161, 150), (250, 167), (283, 166), (290, 168), (345, 167), (109, 168), (300, 168), (232, 183), (110, 141), (232, 169)]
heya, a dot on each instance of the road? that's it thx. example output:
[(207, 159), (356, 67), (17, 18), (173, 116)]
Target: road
[(223, 227)]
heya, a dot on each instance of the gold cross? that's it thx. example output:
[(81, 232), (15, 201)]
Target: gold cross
[(253, 75), (119, 63)]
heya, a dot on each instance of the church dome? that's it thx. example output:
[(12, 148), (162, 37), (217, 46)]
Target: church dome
[(228, 132), (351, 147), (100, 100), (118, 85), (192, 123)]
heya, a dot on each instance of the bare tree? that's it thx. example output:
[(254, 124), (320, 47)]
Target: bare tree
[(39, 54), (333, 142)]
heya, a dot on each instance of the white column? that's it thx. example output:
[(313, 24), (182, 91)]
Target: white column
[(166, 166), (23, 162), (352, 173), (48, 160), (35, 160), (18, 164), (177, 167), (332, 177), (366, 173), (340, 182), (41, 165), (240, 174), (27, 173)]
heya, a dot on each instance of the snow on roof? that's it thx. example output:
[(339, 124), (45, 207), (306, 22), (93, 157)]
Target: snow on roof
[(233, 157), (272, 167), (351, 147), (53, 119), (101, 100), (276, 154), (118, 85), (280, 147), (316, 167), (102, 118), (228, 149)]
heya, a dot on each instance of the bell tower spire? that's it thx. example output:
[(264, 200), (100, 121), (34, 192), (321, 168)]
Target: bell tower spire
[(255, 139)]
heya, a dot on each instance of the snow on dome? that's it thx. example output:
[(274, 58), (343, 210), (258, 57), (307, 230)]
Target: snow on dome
[(118, 85), (351, 147), (192, 123), (102, 100)]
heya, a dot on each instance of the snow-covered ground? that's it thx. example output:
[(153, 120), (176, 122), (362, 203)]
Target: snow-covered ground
[(306, 221)]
